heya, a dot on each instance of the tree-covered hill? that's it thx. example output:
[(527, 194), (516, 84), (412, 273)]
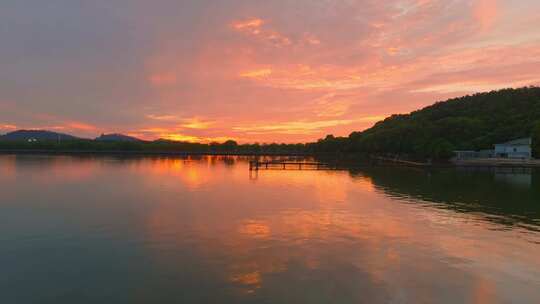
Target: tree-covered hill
[(467, 123)]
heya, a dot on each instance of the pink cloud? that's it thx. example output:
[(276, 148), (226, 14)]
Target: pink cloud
[(486, 13), (255, 28)]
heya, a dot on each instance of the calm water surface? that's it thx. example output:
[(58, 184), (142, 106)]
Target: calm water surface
[(205, 230)]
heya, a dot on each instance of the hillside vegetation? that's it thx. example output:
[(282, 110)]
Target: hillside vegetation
[(467, 123)]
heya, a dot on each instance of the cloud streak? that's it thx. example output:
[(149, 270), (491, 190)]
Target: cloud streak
[(302, 127)]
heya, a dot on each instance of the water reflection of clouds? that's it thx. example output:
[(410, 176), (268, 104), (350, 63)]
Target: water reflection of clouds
[(8, 168), (255, 229), (49, 170), (252, 280), (342, 235), (380, 238), (185, 171)]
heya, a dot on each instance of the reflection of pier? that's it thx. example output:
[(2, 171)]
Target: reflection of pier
[(293, 165), (402, 162)]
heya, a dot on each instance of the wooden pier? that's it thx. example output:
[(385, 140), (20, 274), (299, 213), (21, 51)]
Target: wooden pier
[(305, 165), (292, 165)]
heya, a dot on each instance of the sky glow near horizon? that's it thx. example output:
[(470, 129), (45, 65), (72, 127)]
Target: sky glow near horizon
[(254, 71)]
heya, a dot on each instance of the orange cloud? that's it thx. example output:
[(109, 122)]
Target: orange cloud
[(307, 77), (256, 73), (7, 127), (188, 123), (392, 50), (311, 39), (162, 117), (248, 24), (254, 27), (300, 127), (180, 137), (80, 126), (333, 104), (196, 123)]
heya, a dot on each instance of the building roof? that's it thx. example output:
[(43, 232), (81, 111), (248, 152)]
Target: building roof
[(517, 142)]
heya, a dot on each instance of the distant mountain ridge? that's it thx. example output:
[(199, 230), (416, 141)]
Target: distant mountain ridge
[(117, 137), (44, 135), (37, 135)]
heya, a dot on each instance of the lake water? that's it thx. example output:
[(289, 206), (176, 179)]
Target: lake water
[(206, 230)]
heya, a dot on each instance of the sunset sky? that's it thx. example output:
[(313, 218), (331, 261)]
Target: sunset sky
[(254, 71)]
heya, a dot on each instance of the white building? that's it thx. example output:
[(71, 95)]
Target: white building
[(519, 148)]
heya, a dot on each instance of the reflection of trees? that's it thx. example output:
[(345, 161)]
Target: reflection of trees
[(505, 200)]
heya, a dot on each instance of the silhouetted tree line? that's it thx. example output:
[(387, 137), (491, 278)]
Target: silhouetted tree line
[(228, 147), (467, 123)]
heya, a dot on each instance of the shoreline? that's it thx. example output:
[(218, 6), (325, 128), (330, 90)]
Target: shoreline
[(144, 153), (479, 163)]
